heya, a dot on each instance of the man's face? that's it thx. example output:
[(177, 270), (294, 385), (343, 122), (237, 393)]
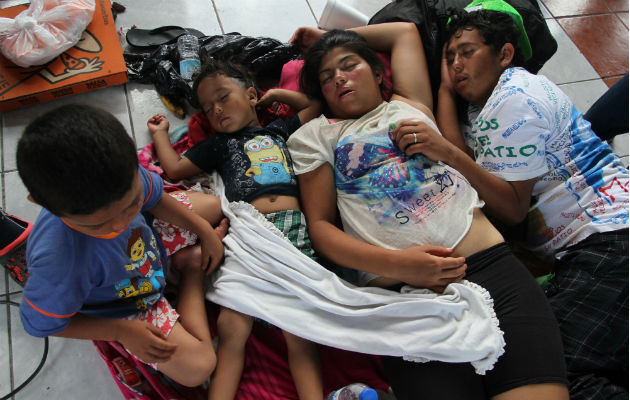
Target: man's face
[(473, 66)]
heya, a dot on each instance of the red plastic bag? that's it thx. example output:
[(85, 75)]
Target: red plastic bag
[(44, 30)]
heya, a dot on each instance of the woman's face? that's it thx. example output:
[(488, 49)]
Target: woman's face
[(349, 85)]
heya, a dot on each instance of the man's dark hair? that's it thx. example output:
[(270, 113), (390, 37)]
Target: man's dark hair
[(496, 29), (232, 70), (349, 40), (76, 159)]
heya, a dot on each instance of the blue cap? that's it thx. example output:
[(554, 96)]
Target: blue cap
[(368, 394)]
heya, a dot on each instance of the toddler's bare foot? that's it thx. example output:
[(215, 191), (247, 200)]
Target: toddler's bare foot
[(222, 229)]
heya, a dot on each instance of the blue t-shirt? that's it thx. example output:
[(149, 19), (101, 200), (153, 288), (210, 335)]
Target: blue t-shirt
[(71, 272)]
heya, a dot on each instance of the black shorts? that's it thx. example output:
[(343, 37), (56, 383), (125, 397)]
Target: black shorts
[(533, 350)]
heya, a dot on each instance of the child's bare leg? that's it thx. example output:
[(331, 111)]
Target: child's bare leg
[(305, 368), (194, 360), (207, 206), (234, 329)]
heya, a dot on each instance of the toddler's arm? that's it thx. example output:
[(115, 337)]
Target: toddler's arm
[(176, 167), (307, 108)]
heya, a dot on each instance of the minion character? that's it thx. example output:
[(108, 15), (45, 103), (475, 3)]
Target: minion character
[(268, 161)]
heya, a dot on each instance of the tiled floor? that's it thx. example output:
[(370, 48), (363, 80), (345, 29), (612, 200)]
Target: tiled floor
[(592, 54)]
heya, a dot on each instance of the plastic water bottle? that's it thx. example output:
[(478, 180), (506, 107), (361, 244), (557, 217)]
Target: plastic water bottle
[(354, 391), (189, 63)]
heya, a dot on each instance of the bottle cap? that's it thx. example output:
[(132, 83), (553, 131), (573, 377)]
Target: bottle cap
[(368, 394)]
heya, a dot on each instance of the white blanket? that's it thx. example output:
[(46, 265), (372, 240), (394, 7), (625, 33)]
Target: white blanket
[(265, 276)]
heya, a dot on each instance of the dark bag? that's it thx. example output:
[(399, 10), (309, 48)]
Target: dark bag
[(430, 17)]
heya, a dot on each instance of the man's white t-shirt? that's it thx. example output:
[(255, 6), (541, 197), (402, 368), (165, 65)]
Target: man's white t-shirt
[(528, 129)]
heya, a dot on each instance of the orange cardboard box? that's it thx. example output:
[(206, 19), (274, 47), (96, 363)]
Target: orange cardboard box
[(95, 62)]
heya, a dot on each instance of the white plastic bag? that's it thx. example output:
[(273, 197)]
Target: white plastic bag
[(44, 30)]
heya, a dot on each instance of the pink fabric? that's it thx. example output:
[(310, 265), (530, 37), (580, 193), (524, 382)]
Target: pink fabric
[(173, 237)]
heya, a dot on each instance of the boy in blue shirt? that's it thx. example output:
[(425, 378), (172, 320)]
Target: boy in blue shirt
[(96, 264)]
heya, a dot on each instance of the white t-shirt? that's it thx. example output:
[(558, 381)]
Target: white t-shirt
[(384, 197), (528, 129)]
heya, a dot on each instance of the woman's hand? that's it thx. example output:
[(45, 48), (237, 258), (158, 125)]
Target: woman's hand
[(413, 136), (304, 37), (145, 341), (430, 267), (158, 122)]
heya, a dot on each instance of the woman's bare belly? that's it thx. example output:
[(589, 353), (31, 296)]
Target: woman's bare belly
[(269, 203), (481, 235)]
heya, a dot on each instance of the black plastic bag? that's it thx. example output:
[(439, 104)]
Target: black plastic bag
[(264, 57)]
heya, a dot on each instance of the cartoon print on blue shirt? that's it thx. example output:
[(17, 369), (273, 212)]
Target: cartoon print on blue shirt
[(141, 258), (268, 161)]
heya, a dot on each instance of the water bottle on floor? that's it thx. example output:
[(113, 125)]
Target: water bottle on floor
[(189, 63), (354, 391)]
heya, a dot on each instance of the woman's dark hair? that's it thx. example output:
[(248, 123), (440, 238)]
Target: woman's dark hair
[(496, 28), (76, 159), (352, 41), (216, 67)]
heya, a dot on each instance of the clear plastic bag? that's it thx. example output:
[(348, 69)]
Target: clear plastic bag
[(44, 30)]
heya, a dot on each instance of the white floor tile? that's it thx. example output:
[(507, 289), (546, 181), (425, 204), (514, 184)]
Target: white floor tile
[(144, 102), (16, 202), (276, 19), (585, 93), (149, 14), (5, 377), (73, 369), (112, 99), (568, 64), (544, 10)]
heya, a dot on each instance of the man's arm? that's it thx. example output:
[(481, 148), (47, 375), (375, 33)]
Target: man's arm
[(506, 200)]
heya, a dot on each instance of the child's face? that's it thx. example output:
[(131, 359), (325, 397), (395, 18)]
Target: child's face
[(227, 105), (112, 219)]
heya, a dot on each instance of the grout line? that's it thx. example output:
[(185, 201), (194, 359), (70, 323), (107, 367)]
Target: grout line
[(308, 4), (216, 13), (127, 100)]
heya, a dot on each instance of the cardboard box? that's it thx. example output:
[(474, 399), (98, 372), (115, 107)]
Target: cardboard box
[(95, 62)]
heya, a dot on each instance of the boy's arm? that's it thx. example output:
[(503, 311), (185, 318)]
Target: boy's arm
[(307, 108), (175, 166), (447, 119), (142, 339), (169, 209)]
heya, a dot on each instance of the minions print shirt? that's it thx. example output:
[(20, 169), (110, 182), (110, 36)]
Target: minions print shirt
[(72, 272), (252, 162)]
